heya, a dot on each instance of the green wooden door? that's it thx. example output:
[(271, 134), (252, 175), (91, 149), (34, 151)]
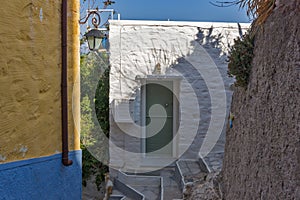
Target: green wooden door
[(159, 118)]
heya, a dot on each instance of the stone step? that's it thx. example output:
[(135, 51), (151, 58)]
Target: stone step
[(170, 184), (119, 198), (157, 185), (127, 191), (117, 195), (149, 186), (171, 189), (172, 193)]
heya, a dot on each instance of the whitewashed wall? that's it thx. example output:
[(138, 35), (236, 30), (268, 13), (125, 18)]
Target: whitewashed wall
[(186, 49)]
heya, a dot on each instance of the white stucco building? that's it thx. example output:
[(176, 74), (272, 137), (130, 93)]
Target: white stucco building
[(169, 91)]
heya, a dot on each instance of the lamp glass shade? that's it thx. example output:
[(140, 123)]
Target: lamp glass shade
[(91, 42), (97, 42), (94, 38)]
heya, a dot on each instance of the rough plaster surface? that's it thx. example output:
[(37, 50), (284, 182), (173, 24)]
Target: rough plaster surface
[(185, 49), (262, 153), (41, 178), (30, 78)]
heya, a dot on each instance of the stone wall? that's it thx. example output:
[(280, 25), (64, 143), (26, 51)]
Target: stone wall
[(262, 152), (193, 51)]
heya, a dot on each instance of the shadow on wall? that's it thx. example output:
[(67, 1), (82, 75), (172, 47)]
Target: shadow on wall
[(216, 47), (210, 41)]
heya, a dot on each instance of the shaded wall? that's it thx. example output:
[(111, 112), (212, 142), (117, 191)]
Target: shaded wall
[(262, 152), (193, 51)]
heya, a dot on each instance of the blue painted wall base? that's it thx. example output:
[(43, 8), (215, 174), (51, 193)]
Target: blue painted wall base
[(41, 178)]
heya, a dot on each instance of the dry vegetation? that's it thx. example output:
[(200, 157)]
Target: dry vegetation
[(259, 10)]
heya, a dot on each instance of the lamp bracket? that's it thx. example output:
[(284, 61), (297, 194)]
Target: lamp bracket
[(96, 16)]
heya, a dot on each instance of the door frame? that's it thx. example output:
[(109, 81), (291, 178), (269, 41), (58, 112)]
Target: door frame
[(176, 90)]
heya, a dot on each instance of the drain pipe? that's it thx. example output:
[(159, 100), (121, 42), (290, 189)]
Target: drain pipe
[(64, 86)]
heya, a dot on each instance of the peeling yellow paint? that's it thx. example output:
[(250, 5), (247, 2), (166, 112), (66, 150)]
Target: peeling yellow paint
[(30, 78), (2, 158)]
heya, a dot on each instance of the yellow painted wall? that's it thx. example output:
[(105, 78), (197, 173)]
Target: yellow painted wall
[(30, 78)]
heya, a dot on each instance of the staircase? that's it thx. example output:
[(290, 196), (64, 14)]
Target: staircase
[(137, 187), (165, 184)]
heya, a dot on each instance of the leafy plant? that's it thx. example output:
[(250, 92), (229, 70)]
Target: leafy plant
[(91, 166), (240, 59), (102, 102), (94, 108)]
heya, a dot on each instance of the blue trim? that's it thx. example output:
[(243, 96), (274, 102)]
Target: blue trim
[(42, 178), (31, 161)]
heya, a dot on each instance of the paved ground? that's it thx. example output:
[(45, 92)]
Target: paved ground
[(171, 187), (189, 167), (215, 161), (119, 193)]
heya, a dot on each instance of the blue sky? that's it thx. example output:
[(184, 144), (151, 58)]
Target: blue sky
[(178, 10), (175, 10)]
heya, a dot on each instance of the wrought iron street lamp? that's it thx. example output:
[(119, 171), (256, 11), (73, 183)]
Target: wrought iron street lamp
[(97, 37)]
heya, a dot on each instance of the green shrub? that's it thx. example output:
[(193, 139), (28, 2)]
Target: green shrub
[(240, 59), (94, 80), (91, 166)]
